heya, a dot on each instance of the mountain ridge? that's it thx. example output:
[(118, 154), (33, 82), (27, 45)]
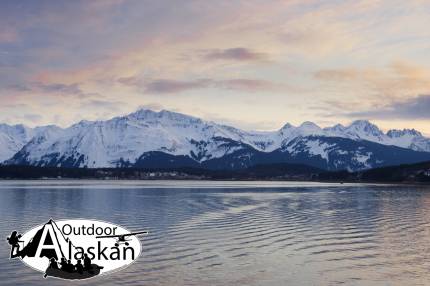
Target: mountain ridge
[(131, 139)]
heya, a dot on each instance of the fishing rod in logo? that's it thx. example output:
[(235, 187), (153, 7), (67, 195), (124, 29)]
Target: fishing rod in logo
[(76, 249)]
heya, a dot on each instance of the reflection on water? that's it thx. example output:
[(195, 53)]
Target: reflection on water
[(238, 234)]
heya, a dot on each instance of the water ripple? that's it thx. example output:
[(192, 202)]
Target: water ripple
[(239, 234)]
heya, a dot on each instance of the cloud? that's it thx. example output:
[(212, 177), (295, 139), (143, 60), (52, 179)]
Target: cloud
[(159, 86), (175, 86), (103, 104), (21, 106), (17, 87), (198, 46), (346, 74), (152, 106), (249, 85), (414, 108), (73, 89), (32, 117), (396, 80), (8, 36), (243, 124), (236, 54), (318, 34), (24, 117), (130, 80), (61, 88)]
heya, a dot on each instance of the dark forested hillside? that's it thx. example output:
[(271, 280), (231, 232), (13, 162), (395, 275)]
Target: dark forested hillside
[(282, 171)]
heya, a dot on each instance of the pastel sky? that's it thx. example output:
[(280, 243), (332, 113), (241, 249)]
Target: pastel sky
[(252, 64)]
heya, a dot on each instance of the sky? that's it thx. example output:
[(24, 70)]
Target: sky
[(255, 65)]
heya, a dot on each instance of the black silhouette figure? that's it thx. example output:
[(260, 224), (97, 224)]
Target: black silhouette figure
[(70, 266), (52, 265), (14, 242), (87, 262), (79, 267), (63, 264)]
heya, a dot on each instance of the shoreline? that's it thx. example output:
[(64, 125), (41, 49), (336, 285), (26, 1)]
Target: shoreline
[(188, 183)]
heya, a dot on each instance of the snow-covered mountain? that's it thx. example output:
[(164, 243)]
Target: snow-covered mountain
[(168, 139), (122, 140), (364, 130), (14, 137)]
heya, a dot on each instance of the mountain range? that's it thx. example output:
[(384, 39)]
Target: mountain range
[(166, 139)]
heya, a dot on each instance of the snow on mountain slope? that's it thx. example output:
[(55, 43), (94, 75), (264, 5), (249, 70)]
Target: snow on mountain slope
[(357, 130), (408, 138), (14, 137), (130, 139), (336, 153), (364, 130), (122, 140)]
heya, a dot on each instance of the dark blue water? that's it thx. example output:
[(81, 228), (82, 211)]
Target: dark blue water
[(250, 233)]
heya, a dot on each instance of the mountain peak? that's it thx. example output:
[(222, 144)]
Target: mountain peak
[(82, 123), (361, 122), (287, 126), (309, 125), (395, 133), (364, 127), (143, 113), (338, 128)]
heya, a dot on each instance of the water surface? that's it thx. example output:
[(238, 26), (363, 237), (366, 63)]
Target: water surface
[(232, 233)]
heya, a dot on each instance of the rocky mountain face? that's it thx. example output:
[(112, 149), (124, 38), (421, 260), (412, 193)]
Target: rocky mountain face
[(164, 139)]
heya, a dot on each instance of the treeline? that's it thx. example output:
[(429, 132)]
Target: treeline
[(403, 173), (258, 172), (419, 173)]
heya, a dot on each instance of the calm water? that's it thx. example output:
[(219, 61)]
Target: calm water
[(218, 233)]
